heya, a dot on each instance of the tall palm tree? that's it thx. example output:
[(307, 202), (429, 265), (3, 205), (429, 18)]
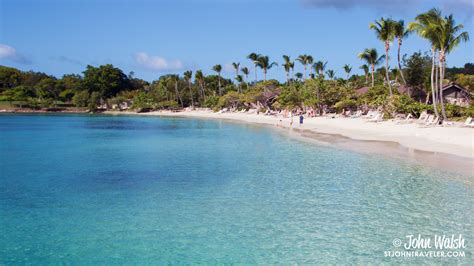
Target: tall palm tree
[(450, 36), (347, 69), (175, 80), (218, 69), (292, 67), (287, 65), (188, 75), (236, 67), (384, 29), (265, 65), (427, 26), (254, 57), (305, 60), (371, 57), (319, 67), (365, 67), (400, 33), (246, 72), (199, 76)]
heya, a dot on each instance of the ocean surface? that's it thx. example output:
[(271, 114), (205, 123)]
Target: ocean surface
[(79, 189)]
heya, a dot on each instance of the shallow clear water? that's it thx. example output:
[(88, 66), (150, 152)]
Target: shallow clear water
[(142, 190)]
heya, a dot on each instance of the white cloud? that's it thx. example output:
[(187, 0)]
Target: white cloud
[(156, 63), (9, 53)]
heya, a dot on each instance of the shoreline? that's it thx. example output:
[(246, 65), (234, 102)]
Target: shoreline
[(448, 148)]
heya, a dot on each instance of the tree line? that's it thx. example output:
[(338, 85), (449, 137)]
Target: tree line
[(316, 87)]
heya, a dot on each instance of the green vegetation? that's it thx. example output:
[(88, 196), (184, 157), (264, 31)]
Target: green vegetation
[(106, 86)]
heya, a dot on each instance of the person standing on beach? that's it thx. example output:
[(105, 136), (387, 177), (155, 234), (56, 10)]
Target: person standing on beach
[(301, 119)]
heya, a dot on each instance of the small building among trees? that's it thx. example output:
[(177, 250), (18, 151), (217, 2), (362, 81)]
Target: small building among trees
[(456, 94)]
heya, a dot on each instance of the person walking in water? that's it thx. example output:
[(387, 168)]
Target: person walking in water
[(301, 119)]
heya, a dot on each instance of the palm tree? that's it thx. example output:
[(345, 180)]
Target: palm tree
[(400, 32), (365, 67), (347, 69), (236, 68), (218, 69), (371, 57), (384, 29), (202, 82), (239, 79), (331, 74), (292, 66), (299, 75), (246, 72), (287, 66), (426, 25), (450, 36), (319, 67), (254, 57), (265, 65), (175, 80), (188, 75), (305, 60)]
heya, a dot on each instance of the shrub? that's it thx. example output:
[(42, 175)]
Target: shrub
[(453, 110), (231, 99), (346, 104), (211, 101), (468, 111), (81, 99), (144, 101)]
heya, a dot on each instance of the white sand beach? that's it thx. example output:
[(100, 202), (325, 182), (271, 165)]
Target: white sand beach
[(453, 140)]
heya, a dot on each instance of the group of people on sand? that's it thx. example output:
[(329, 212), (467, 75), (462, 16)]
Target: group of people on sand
[(291, 114)]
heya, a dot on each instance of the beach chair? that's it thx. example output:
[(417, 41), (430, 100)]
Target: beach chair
[(407, 120), (469, 122), (357, 114), (377, 118), (423, 116), (428, 120), (431, 121)]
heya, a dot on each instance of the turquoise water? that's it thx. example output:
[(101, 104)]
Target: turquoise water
[(147, 190)]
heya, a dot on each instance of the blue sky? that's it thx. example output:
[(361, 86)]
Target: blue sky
[(153, 38)]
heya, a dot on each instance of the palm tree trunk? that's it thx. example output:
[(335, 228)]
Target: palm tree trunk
[(256, 78), (287, 77), (191, 93), (399, 64), (203, 86), (265, 74), (441, 77), (387, 46), (436, 79), (433, 93), (373, 79), (177, 94), (219, 81)]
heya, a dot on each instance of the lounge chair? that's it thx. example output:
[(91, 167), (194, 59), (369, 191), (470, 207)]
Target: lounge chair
[(370, 114), (431, 121), (357, 114), (469, 122), (378, 117), (407, 120)]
